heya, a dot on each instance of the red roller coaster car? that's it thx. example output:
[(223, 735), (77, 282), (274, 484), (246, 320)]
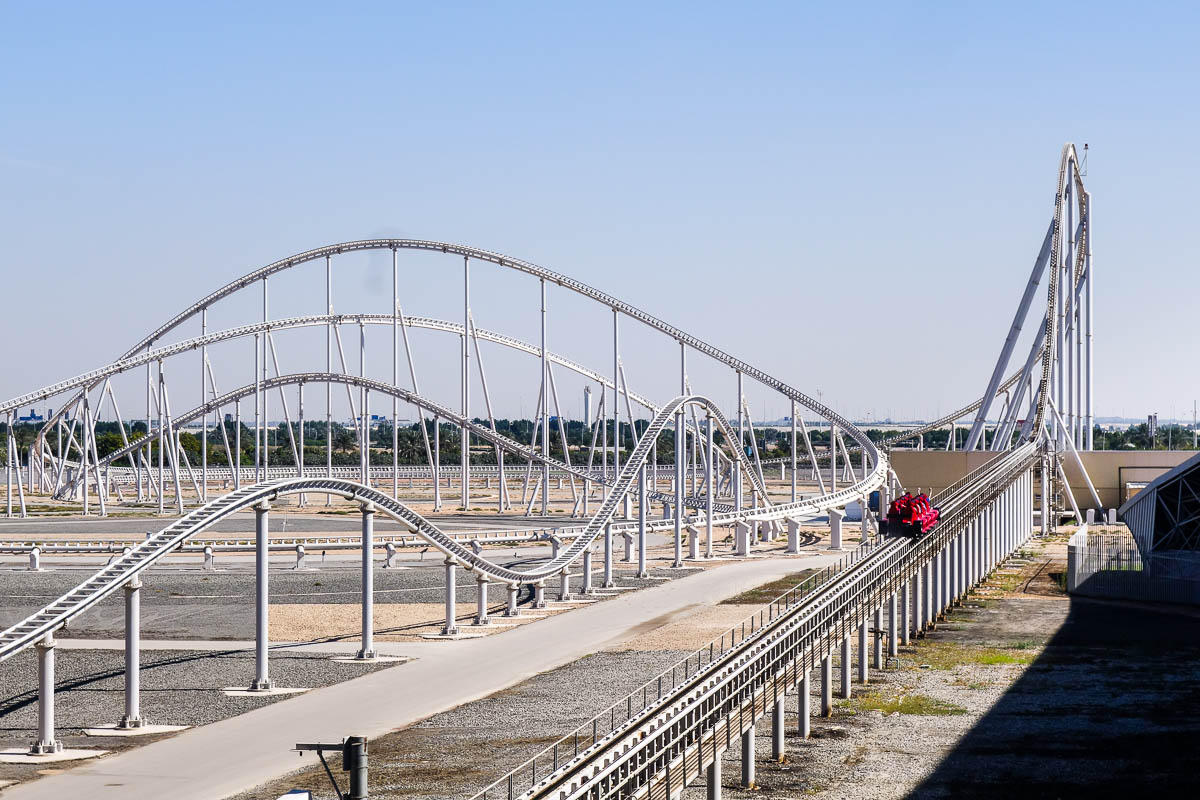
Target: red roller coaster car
[(911, 516)]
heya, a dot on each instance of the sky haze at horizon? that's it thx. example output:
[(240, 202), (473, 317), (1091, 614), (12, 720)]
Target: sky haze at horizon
[(849, 198)]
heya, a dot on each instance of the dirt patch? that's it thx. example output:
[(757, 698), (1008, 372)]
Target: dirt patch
[(688, 632), (761, 595), (307, 622)]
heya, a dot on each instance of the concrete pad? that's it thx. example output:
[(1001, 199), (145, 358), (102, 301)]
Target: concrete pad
[(19, 755), (239, 691), (375, 660), (144, 730)]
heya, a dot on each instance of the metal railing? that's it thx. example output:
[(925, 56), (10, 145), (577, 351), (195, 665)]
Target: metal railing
[(661, 732), (1111, 565)]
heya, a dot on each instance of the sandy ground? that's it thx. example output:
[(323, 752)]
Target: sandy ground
[(688, 630), (308, 622)]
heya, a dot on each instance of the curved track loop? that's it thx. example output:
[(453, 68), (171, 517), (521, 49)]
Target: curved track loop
[(146, 553), (90, 379), (871, 481), (481, 431)]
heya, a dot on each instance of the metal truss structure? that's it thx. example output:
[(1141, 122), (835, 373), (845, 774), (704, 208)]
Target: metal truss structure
[(717, 479)]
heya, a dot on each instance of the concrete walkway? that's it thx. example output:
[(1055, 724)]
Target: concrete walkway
[(242, 752)]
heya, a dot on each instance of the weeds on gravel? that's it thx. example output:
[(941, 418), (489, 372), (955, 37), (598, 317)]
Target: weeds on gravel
[(948, 655), (915, 704), (1024, 644)]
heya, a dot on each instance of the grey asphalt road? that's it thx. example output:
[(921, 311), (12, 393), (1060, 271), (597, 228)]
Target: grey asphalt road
[(233, 755)]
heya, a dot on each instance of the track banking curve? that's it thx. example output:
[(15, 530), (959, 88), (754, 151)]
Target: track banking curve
[(871, 481)]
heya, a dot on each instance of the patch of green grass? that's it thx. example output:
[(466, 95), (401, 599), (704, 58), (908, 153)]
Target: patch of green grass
[(1024, 644), (761, 595), (915, 704), (948, 655), (1006, 583)]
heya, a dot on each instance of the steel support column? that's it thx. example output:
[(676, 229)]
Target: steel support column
[(368, 582), (133, 643), (262, 681), (46, 743), (451, 626)]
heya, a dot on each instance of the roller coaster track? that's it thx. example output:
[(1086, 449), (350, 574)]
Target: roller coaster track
[(131, 564), (653, 742)]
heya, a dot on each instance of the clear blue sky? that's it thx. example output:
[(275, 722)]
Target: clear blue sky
[(766, 176)]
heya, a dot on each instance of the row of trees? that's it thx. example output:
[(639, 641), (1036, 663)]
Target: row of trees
[(410, 444)]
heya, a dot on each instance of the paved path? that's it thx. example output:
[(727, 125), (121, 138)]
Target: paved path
[(239, 753)]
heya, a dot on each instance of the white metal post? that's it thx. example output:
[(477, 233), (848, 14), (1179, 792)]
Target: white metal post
[(368, 582), (709, 476), (464, 435), (262, 683), (608, 582), (133, 624), (451, 626), (642, 573), (1089, 383), (46, 743)]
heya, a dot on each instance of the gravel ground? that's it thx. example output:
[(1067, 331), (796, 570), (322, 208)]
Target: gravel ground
[(194, 604), (1019, 693), (457, 753), (178, 688)]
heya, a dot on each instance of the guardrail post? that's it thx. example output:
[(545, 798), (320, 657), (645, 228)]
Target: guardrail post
[(512, 610), (451, 626), (748, 758), (368, 582), (262, 682), (846, 668), (389, 560), (793, 534), (133, 644), (835, 528), (693, 543), (827, 685), (862, 652), (300, 560), (46, 743), (805, 704), (628, 557), (208, 559), (35, 560)]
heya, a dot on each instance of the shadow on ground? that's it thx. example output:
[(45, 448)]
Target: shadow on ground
[(1110, 708)]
